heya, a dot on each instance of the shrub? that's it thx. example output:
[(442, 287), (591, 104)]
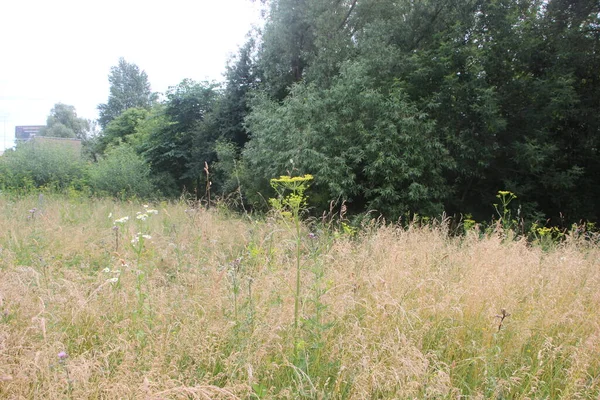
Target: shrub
[(121, 173), (43, 164)]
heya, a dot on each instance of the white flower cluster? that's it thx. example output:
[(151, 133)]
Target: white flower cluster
[(150, 211), (114, 279), (139, 235), (141, 217), (121, 220)]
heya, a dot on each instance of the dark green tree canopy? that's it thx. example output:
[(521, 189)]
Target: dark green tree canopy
[(430, 105), (242, 77), (129, 87), (181, 145)]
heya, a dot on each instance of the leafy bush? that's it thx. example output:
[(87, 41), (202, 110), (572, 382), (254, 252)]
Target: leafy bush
[(41, 164), (368, 145), (121, 173)]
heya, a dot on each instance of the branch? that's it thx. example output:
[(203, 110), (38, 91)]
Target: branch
[(433, 18), (348, 14)]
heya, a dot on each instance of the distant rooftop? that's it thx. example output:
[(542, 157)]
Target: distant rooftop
[(26, 132)]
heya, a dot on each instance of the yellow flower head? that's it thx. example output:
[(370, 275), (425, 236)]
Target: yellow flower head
[(289, 179)]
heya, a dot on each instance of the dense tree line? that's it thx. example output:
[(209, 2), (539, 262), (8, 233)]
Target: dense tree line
[(435, 105), (395, 106), (424, 106)]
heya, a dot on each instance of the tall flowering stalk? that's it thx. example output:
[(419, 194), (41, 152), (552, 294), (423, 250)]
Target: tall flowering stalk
[(504, 211), (290, 206), (120, 221)]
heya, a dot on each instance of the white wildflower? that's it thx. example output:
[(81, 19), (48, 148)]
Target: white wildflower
[(113, 280), (155, 212), (106, 270), (121, 220), (142, 217), (145, 205), (110, 216), (147, 237)]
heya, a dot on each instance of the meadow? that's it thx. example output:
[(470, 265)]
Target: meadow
[(123, 300)]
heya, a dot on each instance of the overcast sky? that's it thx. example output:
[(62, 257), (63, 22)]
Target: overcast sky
[(62, 50)]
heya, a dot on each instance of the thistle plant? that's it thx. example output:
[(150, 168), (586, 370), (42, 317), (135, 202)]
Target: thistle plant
[(32, 213), (62, 362), (290, 206)]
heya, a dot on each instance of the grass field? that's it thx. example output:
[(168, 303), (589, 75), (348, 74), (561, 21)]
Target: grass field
[(201, 306)]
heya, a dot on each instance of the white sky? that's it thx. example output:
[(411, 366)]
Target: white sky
[(62, 50)]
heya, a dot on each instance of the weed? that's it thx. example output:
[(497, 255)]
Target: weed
[(290, 207)]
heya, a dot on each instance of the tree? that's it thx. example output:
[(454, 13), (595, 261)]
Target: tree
[(404, 105), (287, 45), (180, 147), (64, 123), (121, 129), (369, 146), (129, 87), (241, 78), (347, 120)]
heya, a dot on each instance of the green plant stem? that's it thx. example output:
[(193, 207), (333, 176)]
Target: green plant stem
[(235, 295), (297, 300)]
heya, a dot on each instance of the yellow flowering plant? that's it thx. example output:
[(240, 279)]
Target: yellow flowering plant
[(289, 207), (503, 210)]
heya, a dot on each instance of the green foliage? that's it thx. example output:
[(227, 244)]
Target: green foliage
[(503, 210), (242, 77), (129, 88), (397, 107), (226, 170), (366, 144), (121, 173), (180, 147), (64, 123), (435, 112), (121, 129), (38, 164), (289, 206), (287, 45)]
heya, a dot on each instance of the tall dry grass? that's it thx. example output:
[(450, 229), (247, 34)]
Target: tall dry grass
[(207, 310)]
